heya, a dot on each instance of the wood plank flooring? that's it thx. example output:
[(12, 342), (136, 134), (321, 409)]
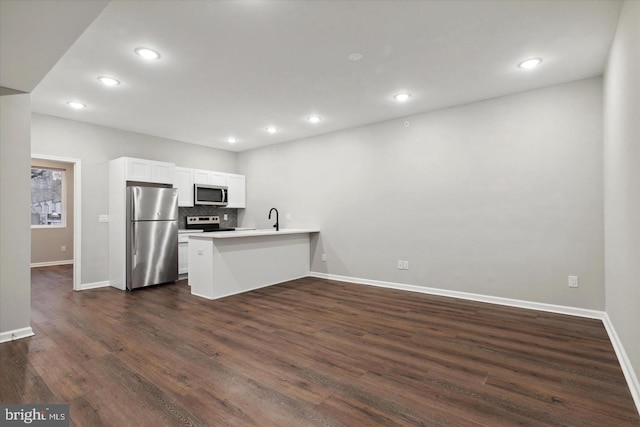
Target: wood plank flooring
[(305, 353)]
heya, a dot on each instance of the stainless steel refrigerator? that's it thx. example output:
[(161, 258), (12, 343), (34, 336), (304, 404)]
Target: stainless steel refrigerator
[(152, 236)]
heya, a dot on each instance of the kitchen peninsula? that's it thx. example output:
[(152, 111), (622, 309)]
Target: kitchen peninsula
[(230, 262)]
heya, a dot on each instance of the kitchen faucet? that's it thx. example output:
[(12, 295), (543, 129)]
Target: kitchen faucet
[(276, 225)]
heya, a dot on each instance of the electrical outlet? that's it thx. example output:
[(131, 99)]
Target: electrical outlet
[(63, 249), (287, 217), (400, 264), (103, 218), (573, 281), (405, 265), (324, 257), (225, 217)]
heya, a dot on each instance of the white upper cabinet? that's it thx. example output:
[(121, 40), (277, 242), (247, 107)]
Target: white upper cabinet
[(209, 177), (149, 171), (184, 183), (237, 191), (162, 173), (218, 178), (201, 176), (186, 177)]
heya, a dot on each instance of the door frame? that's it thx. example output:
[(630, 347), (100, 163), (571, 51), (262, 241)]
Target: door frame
[(77, 212)]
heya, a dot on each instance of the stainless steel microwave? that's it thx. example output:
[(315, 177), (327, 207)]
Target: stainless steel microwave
[(210, 195)]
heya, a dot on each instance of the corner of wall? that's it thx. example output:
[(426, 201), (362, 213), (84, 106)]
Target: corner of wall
[(15, 245)]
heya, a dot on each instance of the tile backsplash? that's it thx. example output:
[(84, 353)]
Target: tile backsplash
[(231, 221)]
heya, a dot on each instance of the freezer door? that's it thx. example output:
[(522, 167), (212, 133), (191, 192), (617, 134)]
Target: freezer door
[(152, 253), (152, 203)]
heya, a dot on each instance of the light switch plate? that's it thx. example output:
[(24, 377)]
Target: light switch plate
[(573, 281), (103, 218)]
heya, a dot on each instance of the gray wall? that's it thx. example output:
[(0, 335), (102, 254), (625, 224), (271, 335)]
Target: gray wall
[(622, 182), (46, 243), (502, 197), (95, 146), (15, 201)]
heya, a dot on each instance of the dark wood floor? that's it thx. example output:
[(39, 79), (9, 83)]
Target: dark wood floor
[(308, 352)]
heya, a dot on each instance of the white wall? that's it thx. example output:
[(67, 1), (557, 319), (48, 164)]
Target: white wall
[(500, 197), (622, 183), (95, 146), (15, 201)]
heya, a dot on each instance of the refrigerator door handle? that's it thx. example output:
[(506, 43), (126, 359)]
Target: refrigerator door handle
[(132, 203), (134, 249)]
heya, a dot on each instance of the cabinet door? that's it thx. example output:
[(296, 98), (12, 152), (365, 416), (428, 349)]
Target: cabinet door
[(237, 191), (149, 171), (218, 178), (201, 176), (183, 258), (184, 183), (138, 170), (162, 173)]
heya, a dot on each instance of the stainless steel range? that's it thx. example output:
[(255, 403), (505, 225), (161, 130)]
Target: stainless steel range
[(206, 223)]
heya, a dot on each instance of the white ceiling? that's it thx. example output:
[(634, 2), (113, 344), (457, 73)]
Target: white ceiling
[(35, 34), (236, 67)]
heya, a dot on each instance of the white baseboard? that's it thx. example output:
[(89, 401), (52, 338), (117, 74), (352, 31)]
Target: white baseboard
[(552, 308), (625, 363), (83, 286), (623, 359), (16, 334), (94, 285), (51, 263)]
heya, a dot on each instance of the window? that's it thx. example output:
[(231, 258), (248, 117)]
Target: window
[(48, 204)]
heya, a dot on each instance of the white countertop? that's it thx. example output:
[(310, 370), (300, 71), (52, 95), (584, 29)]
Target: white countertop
[(184, 231), (253, 233)]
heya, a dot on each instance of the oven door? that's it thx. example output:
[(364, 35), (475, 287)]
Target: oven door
[(209, 195)]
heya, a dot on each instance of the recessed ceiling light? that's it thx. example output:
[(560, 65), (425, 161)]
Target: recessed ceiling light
[(530, 63), (271, 129), (108, 81), (76, 105), (231, 140), (147, 53), (402, 97), (355, 56), (314, 119)]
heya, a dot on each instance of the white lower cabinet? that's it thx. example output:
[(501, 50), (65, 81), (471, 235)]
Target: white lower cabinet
[(183, 253)]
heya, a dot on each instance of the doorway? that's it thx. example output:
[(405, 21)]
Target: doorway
[(49, 215)]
